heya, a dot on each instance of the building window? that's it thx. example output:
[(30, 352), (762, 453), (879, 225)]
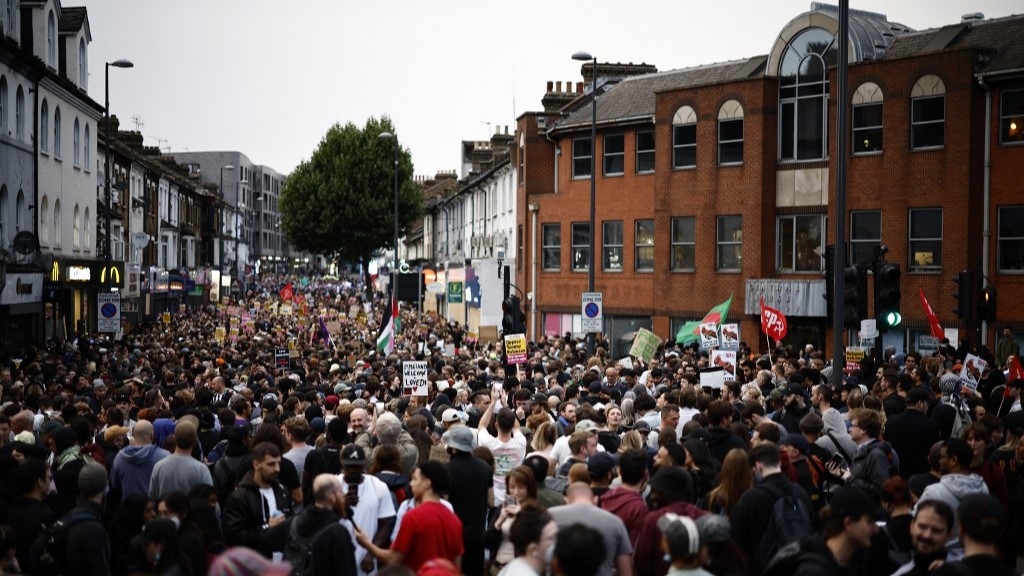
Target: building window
[(4, 110), (730, 243), (51, 40), (865, 236), (801, 242), (582, 157), (645, 151), (803, 95), (643, 243), (611, 239), (83, 65), (76, 225), (614, 154), (683, 246), (522, 165), (1011, 117), (1010, 257), (867, 119), (87, 243), (19, 115), (928, 113), (580, 246), (56, 132), (730, 133), (925, 238), (76, 154), (551, 242), (44, 127), (87, 149), (58, 230), (684, 138)]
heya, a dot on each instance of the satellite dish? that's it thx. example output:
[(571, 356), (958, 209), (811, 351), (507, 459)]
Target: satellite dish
[(25, 243), (140, 239)]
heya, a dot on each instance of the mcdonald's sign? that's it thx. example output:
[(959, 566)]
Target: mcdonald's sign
[(87, 272), (111, 275)]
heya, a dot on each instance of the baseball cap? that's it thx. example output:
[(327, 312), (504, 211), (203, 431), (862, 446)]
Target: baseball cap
[(539, 399), (600, 464), (450, 415), (642, 427), (586, 425), (795, 389), (353, 455)]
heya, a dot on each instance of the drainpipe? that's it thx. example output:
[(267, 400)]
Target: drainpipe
[(986, 232), (534, 209)]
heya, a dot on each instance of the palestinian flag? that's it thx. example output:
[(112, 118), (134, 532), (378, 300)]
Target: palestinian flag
[(690, 332), (389, 327)]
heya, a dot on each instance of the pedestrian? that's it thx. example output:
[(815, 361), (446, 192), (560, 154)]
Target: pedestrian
[(321, 530), (133, 466), (87, 549), (580, 509), (471, 494), (257, 513), (179, 471), (371, 507), (533, 535), (930, 529), (579, 551), (681, 543), (982, 521)]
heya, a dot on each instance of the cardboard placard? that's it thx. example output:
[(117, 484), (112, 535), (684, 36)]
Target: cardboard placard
[(709, 335), (515, 348), (726, 360), (645, 344), (414, 378)]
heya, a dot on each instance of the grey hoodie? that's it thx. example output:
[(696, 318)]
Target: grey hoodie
[(951, 488)]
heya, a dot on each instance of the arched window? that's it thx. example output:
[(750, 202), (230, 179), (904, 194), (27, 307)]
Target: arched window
[(87, 149), (58, 232), (4, 110), (76, 155), (83, 65), (56, 132), (19, 115), (19, 212), (803, 95), (867, 119), (928, 112), (76, 226), (44, 222), (88, 227), (684, 138), (4, 214), (730, 133), (51, 40), (44, 126)]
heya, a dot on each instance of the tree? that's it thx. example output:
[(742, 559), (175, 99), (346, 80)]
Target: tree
[(341, 201)]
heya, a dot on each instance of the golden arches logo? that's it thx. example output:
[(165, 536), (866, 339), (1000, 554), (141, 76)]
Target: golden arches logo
[(115, 275), (55, 272)]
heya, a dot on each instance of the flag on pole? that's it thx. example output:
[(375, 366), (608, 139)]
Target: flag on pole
[(690, 332), (388, 328), (933, 320), (773, 322), (325, 335), (287, 292)]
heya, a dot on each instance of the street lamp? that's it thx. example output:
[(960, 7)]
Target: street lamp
[(585, 57), (239, 214), (222, 234), (394, 267), (122, 63)]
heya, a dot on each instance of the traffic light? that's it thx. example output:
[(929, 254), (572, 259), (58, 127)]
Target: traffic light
[(987, 304), (964, 295), (513, 320), (887, 296), (855, 296), (830, 281)]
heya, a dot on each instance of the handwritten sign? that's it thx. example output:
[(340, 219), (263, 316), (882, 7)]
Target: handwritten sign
[(645, 344), (414, 378)]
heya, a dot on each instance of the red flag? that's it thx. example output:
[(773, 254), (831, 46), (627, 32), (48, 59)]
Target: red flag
[(1016, 373), (286, 292), (299, 298), (933, 320), (773, 322)]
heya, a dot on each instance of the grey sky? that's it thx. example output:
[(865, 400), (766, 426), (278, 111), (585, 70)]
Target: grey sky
[(269, 77)]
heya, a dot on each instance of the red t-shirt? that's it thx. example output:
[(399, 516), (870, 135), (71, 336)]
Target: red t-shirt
[(427, 532)]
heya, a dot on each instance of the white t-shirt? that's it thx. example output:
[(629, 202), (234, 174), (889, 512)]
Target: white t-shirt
[(561, 452), (374, 503), (507, 455), (269, 501)]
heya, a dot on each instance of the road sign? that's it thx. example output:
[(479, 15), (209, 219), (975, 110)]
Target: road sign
[(455, 293), (592, 309), (109, 318)]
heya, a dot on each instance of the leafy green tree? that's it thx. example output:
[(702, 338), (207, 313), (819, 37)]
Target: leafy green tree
[(340, 202)]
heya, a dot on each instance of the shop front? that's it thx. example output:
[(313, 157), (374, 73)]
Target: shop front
[(73, 285), (21, 309)]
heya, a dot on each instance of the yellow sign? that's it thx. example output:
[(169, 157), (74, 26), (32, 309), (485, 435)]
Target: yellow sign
[(113, 272), (219, 334), (515, 348), (167, 317)]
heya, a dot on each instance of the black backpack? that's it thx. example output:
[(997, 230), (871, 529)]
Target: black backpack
[(790, 557), (50, 547), (299, 550), (790, 520)]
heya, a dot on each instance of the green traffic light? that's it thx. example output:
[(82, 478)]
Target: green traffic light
[(893, 319)]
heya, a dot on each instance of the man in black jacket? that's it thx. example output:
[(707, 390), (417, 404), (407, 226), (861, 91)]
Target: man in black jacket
[(257, 513), (88, 548), (318, 525), (912, 433)]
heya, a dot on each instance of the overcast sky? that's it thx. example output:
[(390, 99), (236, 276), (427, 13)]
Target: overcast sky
[(269, 77)]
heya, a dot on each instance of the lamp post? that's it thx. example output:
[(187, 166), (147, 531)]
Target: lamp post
[(239, 214), (122, 63), (394, 266), (585, 57), (222, 234)]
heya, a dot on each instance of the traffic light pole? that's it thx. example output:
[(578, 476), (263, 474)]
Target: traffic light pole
[(839, 262)]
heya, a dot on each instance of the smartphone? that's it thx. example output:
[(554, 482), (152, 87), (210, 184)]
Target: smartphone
[(837, 460), (511, 500)]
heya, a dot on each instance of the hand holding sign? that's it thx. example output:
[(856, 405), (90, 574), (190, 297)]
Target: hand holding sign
[(773, 322)]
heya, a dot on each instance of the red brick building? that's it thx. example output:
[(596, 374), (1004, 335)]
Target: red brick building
[(720, 180)]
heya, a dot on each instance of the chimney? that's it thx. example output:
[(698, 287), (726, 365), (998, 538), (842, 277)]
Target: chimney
[(550, 85), (971, 18), (558, 86)]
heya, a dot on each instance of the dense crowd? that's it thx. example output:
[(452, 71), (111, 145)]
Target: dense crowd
[(250, 438)]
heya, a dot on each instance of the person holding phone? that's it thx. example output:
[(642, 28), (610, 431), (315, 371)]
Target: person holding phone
[(522, 489)]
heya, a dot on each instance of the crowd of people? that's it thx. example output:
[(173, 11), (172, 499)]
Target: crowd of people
[(197, 447)]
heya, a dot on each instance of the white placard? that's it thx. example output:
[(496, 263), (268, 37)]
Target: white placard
[(972, 370), (726, 360), (868, 329), (712, 378), (414, 378), (730, 336), (953, 335), (709, 335)]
